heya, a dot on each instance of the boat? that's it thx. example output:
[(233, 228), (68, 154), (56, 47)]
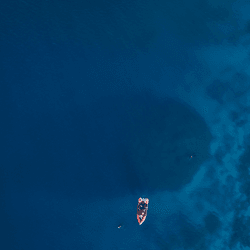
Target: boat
[(142, 208)]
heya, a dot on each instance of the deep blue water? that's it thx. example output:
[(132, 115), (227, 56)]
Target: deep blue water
[(103, 102)]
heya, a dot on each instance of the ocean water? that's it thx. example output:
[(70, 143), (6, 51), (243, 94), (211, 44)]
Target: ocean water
[(103, 102)]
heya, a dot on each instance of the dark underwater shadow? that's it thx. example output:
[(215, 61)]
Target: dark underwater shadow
[(155, 144), (117, 146)]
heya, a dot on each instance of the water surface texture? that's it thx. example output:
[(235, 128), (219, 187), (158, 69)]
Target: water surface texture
[(103, 102)]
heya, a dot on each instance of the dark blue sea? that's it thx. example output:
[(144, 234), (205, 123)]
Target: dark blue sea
[(104, 102)]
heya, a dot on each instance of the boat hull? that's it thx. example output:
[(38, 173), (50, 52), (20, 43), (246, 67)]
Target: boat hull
[(142, 209)]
